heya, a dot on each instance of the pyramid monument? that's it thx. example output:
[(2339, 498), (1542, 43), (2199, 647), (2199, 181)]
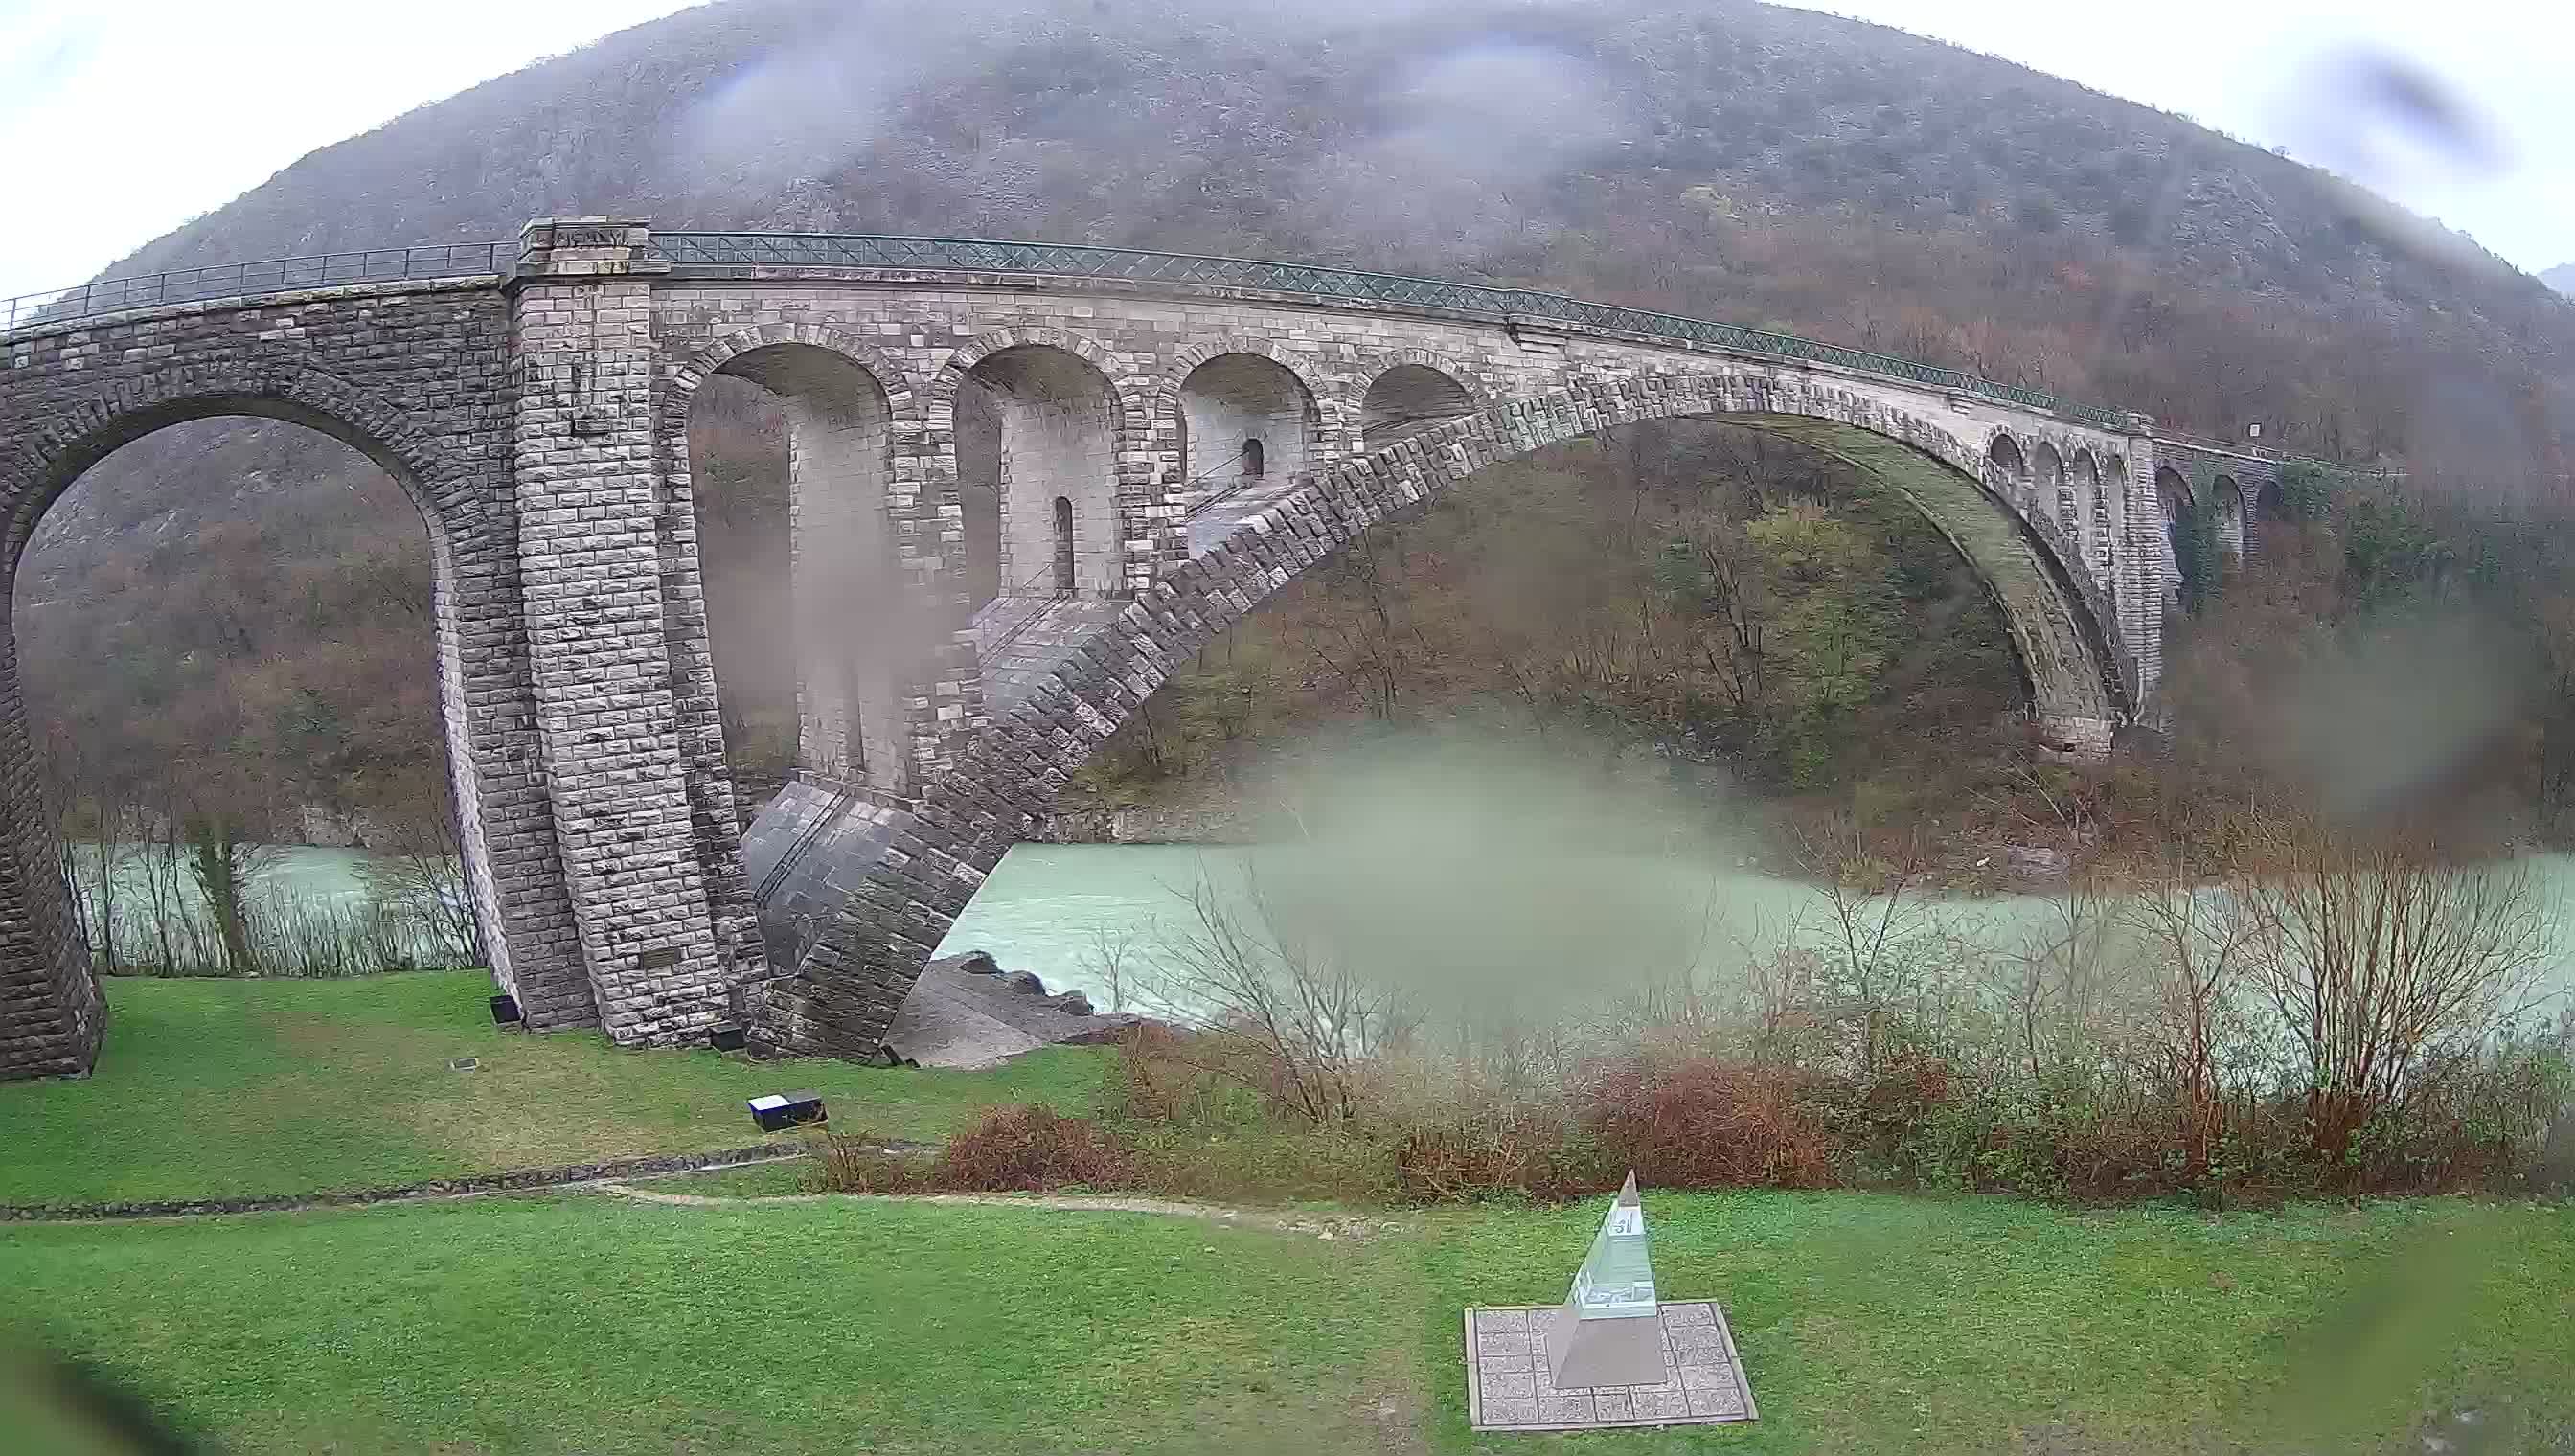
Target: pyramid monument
[(1609, 1331)]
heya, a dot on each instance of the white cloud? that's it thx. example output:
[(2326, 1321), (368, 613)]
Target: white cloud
[(118, 122)]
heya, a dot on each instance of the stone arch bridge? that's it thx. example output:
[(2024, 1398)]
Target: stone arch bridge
[(1027, 483)]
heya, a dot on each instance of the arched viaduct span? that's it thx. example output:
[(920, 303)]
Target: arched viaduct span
[(1027, 483)]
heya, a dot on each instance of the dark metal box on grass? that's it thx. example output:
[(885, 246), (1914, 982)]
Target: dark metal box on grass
[(778, 1111)]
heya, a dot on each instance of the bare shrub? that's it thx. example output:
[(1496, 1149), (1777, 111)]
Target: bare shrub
[(1309, 1011), (1113, 961), (846, 1164), (416, 877), (2389, 968)]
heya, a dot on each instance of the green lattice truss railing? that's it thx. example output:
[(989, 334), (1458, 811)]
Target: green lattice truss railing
[(714, 253), (777, 254)]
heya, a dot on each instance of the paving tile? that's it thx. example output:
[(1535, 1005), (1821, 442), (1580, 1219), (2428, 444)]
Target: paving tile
[(1560, 1406), (1695, 1378), (1674, 1406), (1725, 1402), (1689, 1341)]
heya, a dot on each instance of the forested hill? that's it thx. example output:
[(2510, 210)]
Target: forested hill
[(1730, 159)]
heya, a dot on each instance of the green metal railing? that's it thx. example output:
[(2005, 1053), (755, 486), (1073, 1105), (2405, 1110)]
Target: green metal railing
[(719, 254), (716, 254), (253, 280)]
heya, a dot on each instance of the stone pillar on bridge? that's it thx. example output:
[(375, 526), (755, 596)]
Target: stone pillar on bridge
[(624, 684), (2138, 581)]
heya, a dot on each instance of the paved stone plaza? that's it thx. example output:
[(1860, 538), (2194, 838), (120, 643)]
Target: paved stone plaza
[(1507, 1388)]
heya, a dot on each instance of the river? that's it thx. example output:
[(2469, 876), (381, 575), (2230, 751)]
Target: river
[(1047, 907)]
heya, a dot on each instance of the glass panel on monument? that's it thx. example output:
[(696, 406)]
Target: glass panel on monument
[(1616, 1280)]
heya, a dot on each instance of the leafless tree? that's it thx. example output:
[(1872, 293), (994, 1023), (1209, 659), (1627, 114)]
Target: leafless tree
[(1110, 961), (2197, 940), (1285, 988)]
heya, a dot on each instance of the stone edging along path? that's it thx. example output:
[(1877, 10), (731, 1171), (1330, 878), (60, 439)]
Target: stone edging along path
[(606, 1176), (1325, 1227), (470, 1186)]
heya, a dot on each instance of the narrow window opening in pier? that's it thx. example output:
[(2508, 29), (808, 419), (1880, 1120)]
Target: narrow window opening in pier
[(1064, 545)]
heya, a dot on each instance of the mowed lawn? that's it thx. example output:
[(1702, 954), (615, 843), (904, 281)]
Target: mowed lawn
[(1868, 1324), (212, 1088)]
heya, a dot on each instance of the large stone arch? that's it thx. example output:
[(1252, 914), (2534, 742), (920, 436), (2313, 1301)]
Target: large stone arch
[(483, 678), (852, 968)]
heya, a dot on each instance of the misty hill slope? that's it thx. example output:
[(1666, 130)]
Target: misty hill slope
[(2560, 277)]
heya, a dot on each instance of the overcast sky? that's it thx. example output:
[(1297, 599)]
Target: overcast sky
[(120, 121)]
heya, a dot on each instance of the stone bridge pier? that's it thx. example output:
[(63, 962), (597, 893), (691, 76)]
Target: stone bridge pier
[(1026, 483)]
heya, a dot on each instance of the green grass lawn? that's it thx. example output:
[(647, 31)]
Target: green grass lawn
[(1868, 1324), (234, 1088)]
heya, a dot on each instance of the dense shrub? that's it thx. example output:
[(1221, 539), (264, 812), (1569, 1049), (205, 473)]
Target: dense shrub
[(1028, 1148), (1697, 1121), (1031, 1150)]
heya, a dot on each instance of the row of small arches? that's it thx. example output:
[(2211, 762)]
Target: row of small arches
[(2086, 514)]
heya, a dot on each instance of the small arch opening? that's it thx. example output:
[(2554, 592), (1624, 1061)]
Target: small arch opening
[(1246, 398), (2056, 491), (1063, 546), (2230, 518), (1035, 427), (2093, 525), (1406, 400), (2005, 454), (790, 449), (2181, 534)]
